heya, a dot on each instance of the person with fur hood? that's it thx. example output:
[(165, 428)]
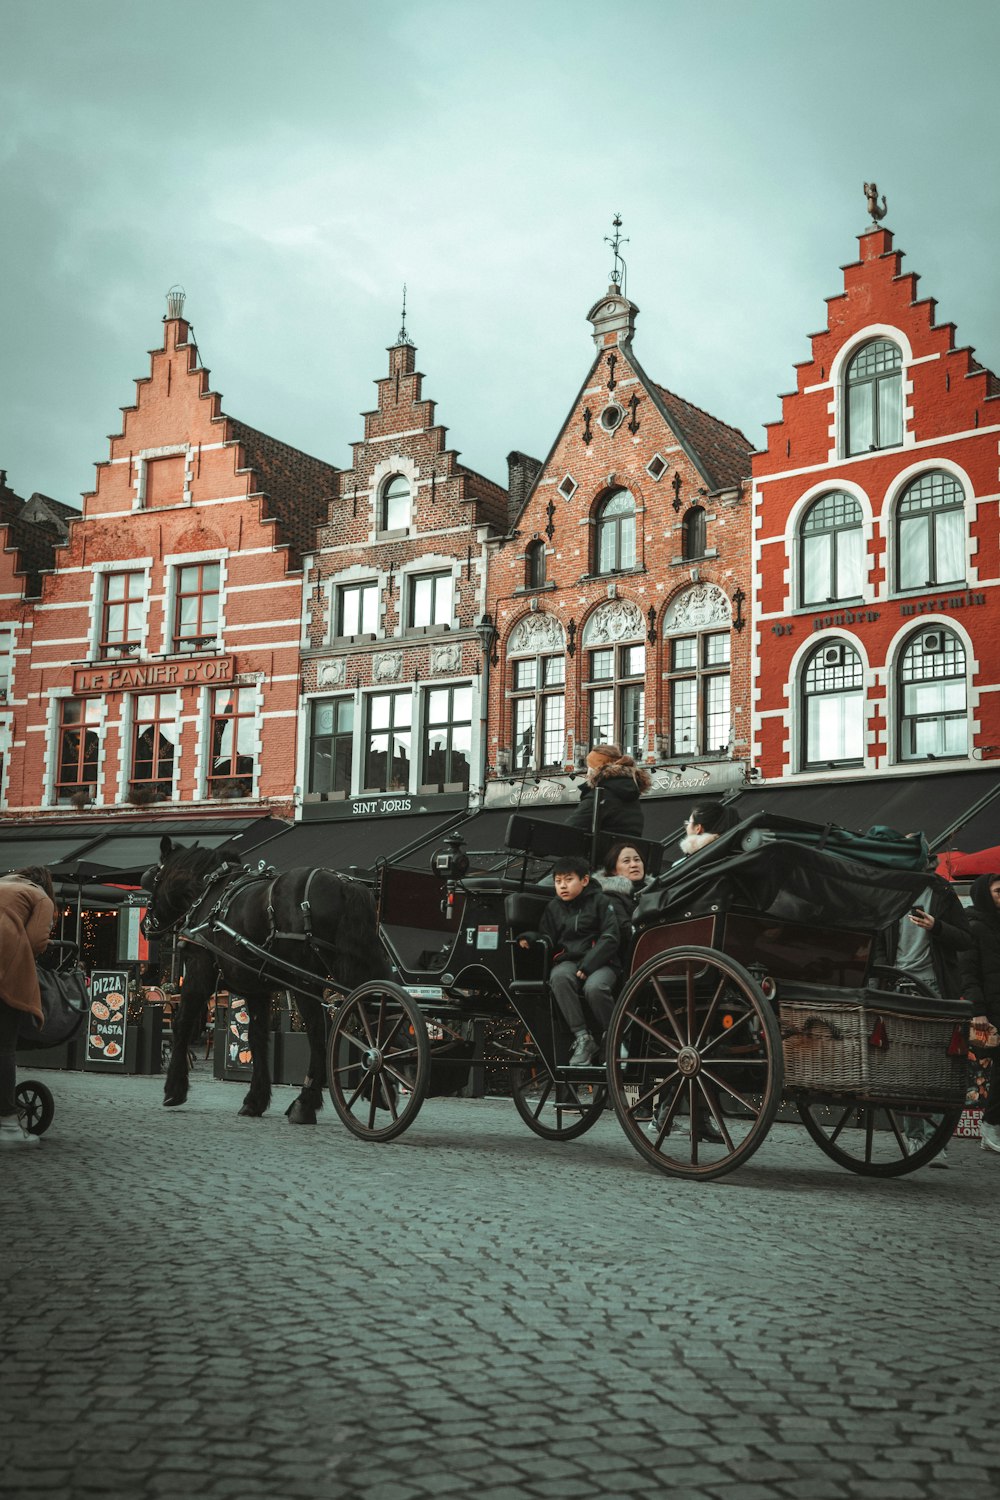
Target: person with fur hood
[(982, 987), (617, 783)]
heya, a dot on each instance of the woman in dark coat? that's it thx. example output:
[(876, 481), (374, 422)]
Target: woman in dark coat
[(27, 909), (983, 986), (617, 783)]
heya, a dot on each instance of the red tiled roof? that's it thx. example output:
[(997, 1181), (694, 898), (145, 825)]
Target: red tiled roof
[(722, 451), (34, 542), (297, 488)]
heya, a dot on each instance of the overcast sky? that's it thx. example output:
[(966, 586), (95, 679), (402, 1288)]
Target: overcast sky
[(292, 164)]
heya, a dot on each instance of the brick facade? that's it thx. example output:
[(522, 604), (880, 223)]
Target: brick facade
[(164, 657), (392, 660), (621, 594), (876, 543)]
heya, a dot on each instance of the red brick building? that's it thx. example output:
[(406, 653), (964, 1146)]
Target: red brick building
[(392, 656), (876, 546), (162, 667), (621, 595)]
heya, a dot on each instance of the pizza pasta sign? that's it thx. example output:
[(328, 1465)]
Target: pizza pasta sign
[(108, 1016)]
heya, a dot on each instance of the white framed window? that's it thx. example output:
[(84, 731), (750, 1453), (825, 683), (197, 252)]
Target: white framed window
[(873, 390), (430, 599), (356, 609), (931, 532), (933, 714), (394, 504), (831, 556), (833, 707)]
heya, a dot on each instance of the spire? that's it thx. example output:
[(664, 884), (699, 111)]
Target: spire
[(403, 337), (614, 316)]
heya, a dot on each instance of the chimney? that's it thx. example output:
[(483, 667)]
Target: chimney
[(522, 472)]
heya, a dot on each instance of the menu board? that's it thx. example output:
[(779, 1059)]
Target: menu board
[(108, 1016), (238, 1053)]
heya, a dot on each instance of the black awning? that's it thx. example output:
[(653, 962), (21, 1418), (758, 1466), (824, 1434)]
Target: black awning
[(119, 849), (941, 806), (352, 843)]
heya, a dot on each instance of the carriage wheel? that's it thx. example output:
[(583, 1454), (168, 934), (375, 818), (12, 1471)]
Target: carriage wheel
[(35, 1106), (378, 1061), (695, 1066), (553, 1109), (872, 1139)]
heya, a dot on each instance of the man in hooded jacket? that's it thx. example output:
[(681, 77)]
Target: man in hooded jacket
[(982, 987)]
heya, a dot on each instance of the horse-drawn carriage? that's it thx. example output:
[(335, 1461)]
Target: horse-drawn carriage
[(751, 984)]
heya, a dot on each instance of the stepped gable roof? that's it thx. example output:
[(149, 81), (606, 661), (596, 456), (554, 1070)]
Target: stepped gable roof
[(723, 451), (296, 487), (34, 541)]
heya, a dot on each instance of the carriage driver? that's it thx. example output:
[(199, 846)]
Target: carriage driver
[(582, 927)]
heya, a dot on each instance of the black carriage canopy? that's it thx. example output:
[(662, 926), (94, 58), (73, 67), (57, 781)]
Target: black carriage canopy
[(797, 872)]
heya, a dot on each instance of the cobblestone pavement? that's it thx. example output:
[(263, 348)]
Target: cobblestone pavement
[(214, 1306)]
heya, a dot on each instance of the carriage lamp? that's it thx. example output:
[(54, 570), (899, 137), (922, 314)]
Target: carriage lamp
[(451, 862)]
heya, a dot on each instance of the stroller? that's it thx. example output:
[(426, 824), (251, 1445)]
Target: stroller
[(65, 1000)]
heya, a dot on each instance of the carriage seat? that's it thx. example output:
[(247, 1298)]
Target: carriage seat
[(523, 913)]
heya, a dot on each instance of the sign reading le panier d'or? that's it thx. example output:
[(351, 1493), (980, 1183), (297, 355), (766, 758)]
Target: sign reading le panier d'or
[(108, 1016), (144, 676)]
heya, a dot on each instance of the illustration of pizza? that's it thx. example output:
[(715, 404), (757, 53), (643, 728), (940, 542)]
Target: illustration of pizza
[(96, 1041)]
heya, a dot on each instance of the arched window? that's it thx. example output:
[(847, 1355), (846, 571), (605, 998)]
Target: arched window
[(833, 706), (930, 532), (693, 536), (534, 572), (933, 721), (394, 505), (874, 388), (536, 651), (697, 627), (614, 667), (615, 550), (831, 550)]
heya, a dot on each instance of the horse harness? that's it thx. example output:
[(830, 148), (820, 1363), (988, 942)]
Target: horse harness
[(216, 922)]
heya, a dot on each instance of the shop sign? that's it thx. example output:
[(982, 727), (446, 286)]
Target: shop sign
[(942, 606), (108, 1016), (147, 676), (387, 805)]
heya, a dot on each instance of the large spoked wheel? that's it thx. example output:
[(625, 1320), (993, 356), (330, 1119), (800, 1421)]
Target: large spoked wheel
[(378, 1061), (35, 1106), (555, 1110), (879, 1140), (695, 1067)]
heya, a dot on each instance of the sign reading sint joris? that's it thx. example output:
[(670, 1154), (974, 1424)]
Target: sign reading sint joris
[(122, 677)]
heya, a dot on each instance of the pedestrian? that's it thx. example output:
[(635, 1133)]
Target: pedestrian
[(581, 925), (617, 783), (27, 910), (930, 943), (982, 969)]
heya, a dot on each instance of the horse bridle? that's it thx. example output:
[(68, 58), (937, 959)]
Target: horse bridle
[(152, 927)]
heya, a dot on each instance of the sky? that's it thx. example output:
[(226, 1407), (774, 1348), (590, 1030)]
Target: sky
[(292, 164)]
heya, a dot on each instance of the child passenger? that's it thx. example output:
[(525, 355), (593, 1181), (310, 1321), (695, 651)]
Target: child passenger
[(582, 927)]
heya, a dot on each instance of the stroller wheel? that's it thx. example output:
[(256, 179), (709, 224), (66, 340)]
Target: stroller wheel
[(35, 1106)]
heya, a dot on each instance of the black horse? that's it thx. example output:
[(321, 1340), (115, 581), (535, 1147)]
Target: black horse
[(312, 920)]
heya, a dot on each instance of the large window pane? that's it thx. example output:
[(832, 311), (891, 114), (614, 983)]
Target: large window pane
[(716, 713), (850, 558), (949, 546), (817, 577), (914, 552), (860, 418), (890, 411)]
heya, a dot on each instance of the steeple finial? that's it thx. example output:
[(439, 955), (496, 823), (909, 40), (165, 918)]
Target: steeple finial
[(620, 271), (403, 337)]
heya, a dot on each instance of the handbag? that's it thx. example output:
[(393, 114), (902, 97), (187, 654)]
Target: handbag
[(65, 1002)]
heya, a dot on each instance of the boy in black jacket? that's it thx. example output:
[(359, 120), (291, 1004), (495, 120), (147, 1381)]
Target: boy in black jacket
[(583, 929)]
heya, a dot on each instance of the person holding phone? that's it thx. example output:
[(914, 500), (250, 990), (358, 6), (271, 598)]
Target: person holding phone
[(930, 943)]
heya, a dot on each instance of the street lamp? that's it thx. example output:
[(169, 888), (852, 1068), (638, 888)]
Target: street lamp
[(488, 637)]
